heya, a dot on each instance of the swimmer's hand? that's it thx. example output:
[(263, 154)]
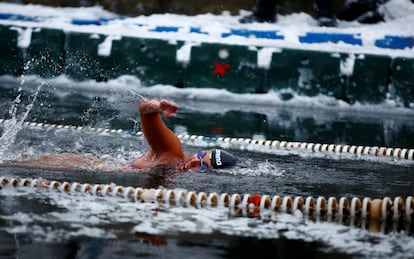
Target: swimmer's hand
[(167, 108)]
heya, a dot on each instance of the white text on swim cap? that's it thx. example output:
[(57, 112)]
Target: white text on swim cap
[(218, 157)]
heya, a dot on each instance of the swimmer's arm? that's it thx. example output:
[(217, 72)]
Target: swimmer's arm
[(61, 161), (161, 139)]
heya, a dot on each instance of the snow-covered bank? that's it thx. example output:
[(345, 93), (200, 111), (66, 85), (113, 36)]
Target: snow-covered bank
[(392, 37)]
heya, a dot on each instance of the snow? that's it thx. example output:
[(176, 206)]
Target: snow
[(257, 102), (194, 30), (347, 66), (224, 28), (24, 36), (104, 49)]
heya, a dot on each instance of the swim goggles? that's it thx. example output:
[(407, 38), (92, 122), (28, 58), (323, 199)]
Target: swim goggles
[(200, 155)]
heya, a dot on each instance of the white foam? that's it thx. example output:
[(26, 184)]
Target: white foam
[(133, 87)]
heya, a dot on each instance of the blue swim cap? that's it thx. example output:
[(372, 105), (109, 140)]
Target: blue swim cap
[(222, 159)]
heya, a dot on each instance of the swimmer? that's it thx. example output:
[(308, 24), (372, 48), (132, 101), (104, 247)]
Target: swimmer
[(166, 151), (165, 148)]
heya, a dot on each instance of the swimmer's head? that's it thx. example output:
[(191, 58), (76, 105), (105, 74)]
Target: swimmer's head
[(221, 159), (208, 159)]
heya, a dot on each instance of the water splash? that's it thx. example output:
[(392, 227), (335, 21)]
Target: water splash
[(91, 115), (12, 126)]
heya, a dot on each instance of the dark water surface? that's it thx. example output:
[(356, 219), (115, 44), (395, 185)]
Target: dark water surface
[(51, 224)]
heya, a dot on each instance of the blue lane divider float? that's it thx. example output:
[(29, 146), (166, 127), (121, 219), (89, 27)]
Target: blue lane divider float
[(254, 33), (395, 42), (89, 21), (166, 29), (321, 37), (197, 30), (98, 21), (20, 17)]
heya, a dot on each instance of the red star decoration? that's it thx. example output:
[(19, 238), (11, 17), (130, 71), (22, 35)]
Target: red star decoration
[(220, 69)]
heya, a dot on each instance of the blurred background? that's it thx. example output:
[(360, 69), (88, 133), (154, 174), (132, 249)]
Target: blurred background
[(147, 7)]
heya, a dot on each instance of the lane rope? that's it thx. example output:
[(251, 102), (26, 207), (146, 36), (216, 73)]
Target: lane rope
[(266, 146), (382, 209)]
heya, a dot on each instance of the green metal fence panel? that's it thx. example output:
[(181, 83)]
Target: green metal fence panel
[(369, 80), (222, 66), (11, 61), (82, 56), (153, 61), (403, 80), (306, 72)]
